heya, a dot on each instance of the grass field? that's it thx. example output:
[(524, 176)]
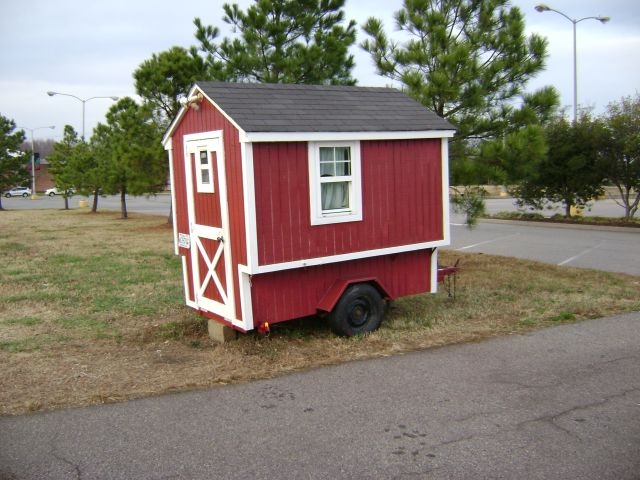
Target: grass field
[(92, 311)]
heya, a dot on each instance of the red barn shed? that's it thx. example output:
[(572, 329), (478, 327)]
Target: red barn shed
[(295, 200)]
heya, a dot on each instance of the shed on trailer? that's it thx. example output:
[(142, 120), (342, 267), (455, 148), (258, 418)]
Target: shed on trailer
[(295, 200)]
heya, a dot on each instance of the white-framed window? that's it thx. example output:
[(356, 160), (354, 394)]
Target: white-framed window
[(335, 182), (204, 170)]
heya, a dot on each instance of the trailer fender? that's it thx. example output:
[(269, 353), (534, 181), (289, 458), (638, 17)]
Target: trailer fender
[(331, 297)]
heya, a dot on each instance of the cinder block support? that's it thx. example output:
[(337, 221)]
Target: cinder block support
[(221, 333)]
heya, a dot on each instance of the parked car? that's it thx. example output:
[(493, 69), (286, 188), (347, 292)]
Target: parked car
[(56, 191), (18, 192)]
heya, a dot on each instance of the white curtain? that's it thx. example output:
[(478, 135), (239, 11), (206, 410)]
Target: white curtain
[(335, 195)]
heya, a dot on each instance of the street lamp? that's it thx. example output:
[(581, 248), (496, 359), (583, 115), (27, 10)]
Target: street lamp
[(33, 160), (83, 100), (545, 8)]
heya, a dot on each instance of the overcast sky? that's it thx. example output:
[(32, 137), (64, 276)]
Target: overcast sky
[(91, 48)]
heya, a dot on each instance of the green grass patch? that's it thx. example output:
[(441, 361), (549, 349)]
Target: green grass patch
[(30, 343), (89, 326), (563, 317), (24, 322), (528, 322), (88, 276)]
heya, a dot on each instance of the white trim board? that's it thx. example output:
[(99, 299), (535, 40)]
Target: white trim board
[(311, 262)]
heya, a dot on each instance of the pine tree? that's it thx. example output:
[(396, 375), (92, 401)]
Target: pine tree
[(467, 60), (282, 41), (65, 162), (128, 147), (13, 162), (166, 77)]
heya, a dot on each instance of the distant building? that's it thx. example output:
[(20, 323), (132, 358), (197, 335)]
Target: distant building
[(44, 179)]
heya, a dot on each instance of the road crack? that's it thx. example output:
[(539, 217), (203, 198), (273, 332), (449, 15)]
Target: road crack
[(552, 419)]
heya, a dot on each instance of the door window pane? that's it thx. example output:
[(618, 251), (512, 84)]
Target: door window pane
[(204, 171)]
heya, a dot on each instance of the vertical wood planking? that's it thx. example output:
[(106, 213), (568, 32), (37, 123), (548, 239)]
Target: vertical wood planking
[(402, 201)]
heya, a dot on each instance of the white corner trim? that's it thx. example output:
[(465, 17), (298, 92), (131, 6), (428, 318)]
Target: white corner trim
[(434, 271), (446, 226), (246, 301), (249, 200), (186, 281), (169, 148)]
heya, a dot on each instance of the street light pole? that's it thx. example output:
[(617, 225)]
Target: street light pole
[(84, 101), (545, 8), (33, 159)]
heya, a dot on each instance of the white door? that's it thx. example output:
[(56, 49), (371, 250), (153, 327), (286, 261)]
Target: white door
[(211, 265)]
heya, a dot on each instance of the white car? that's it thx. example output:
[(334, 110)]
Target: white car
[(18, 192), (56, 191)]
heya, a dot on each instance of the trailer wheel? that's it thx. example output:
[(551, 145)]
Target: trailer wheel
[(359, 310)]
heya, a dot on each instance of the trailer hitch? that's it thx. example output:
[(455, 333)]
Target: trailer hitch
[(447, 276)]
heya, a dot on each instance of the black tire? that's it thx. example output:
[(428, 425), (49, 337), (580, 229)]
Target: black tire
[(25, 195), (51, 194), (359, 310), (7, 195)]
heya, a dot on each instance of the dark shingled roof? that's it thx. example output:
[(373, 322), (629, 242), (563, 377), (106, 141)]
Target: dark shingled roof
[(320, 108)]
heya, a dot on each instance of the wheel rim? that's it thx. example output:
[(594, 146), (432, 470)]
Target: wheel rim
[(359, 313)]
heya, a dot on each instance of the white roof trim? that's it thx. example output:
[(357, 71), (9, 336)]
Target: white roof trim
[(194, 91), (169, 133), (248, 137)]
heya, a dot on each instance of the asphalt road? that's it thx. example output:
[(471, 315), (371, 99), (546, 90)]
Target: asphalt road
[(561, 403)]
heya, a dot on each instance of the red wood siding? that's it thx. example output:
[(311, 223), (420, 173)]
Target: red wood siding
[(284, 295), (401, 195), (207, 119)]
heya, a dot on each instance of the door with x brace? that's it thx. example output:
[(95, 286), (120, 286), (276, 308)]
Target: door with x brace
[(209, 227)]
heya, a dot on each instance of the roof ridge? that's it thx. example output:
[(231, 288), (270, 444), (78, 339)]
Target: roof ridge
[(291, 86)]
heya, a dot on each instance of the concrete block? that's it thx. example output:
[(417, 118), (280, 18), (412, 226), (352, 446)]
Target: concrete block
[(221, 333)]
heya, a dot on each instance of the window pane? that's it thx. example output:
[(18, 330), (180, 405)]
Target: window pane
[(335, 195), (343, 168), (203, 158), (335, 161), (327, 169), (326, 154), (342, 153), (204, 177), (327, 166)]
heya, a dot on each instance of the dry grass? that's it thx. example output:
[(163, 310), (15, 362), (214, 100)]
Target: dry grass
[(91, 311)]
